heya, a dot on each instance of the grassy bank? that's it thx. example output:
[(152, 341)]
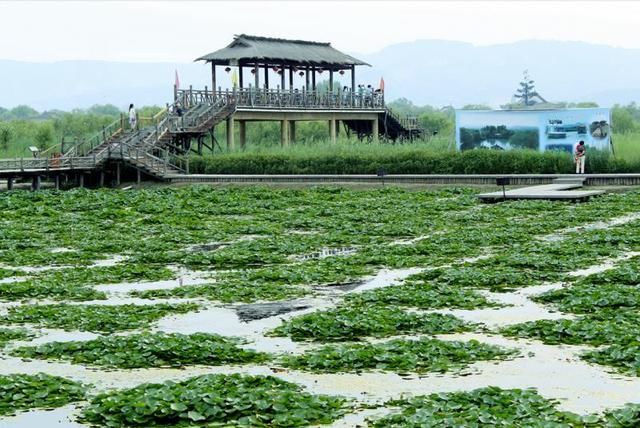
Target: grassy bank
[(433, 157)]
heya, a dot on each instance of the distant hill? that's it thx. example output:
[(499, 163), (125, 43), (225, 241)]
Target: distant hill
[(431, 72)]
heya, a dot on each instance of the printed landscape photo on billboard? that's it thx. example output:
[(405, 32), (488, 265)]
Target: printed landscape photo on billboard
[(533, 129)]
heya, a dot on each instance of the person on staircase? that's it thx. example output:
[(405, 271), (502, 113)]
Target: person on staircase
[(133, 117), (580, 153)]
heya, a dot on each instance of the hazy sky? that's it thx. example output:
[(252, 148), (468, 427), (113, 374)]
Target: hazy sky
[(180, 31)]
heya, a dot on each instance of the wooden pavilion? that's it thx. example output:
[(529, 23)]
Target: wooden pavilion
[(285, 57)]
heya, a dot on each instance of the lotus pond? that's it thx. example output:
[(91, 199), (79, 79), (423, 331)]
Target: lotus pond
[(322, 306)]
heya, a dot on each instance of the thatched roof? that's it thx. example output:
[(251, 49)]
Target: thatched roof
[(247, 49)]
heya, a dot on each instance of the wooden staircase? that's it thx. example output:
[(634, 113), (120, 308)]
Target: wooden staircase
[(390, 126)]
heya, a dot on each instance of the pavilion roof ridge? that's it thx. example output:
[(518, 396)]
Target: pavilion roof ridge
[(249, 49), (280, 40)]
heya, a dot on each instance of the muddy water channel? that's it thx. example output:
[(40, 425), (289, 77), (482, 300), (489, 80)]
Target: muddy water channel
[(556, 371)]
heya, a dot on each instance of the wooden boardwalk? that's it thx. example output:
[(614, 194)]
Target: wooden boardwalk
[(560, 189)]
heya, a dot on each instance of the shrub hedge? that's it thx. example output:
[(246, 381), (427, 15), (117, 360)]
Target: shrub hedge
[(405, 160)]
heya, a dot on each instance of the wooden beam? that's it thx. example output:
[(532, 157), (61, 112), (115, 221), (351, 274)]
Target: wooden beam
[(242, 128), (313, 77), (284, 132), (353, 79), (291, 78), (282, 77), (214, 86), (331, 80), (240, 76), (230, 142), (306, 77), (266, 76), (256, 72)]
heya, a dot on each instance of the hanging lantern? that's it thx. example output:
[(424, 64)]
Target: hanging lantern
[(227, 69), (341, 71), (275, 69), (319, 71), (301, 73), (279, 71), (295, 69), (253, 71)]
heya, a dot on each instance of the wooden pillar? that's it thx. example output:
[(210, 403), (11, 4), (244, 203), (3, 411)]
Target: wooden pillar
[(332, 131), (266, 76), (10, 183), (242, 124), (256, 74), (240, 80), (282, 69), (57, 182), (101, 178), (374, 129), (230, 142), (138, 176), (306, 78), (284, 132), (81, 179), (313, 77), (213, 79), (292, 131), (291, 78), (353, 79), (35, 183), (331, 80), (118, 174)]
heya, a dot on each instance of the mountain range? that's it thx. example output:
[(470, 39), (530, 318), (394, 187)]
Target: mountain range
[(433, 72)]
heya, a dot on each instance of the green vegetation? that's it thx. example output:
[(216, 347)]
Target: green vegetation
[(598, 328), (485, 407), (7, 335), (353, 322), (23, 392), (147, 350), (419, 158), (94, 318), (399, 355), (72, 283), (419, 294), (215, 400)]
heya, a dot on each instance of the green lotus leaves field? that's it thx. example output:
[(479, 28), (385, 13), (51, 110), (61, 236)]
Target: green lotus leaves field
[(322, 274)]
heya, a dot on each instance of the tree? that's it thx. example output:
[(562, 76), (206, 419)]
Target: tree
[(23, 112), (526, 94), (104, 110), (6, 135), (43, 136), (476, 107)]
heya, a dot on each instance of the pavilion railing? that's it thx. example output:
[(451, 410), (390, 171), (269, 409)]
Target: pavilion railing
[(278, 98)]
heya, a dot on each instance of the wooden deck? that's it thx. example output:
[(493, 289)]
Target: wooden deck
[(562, 189)]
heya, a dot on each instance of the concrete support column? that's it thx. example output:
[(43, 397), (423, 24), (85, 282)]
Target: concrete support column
[(118, 174), (57, 182), (332, 130), (374, 129), (81, 179), (230, 142), (36, 183), (101, 178), (292, 131), (10, 183), (242, 125), (284, 132), (138, 177)]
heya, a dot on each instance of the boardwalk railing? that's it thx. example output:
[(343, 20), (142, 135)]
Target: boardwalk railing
[(277, 98)]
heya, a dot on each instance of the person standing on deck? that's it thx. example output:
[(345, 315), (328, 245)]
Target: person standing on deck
[(580, 153), (133, 117)]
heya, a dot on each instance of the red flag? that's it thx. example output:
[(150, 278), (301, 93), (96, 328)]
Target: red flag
[(177, 81), (381, 84)]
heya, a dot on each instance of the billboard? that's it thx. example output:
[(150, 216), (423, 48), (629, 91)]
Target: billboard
[(533, 129)]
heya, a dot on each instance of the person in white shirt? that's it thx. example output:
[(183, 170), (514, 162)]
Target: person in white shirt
[(133, 117)]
